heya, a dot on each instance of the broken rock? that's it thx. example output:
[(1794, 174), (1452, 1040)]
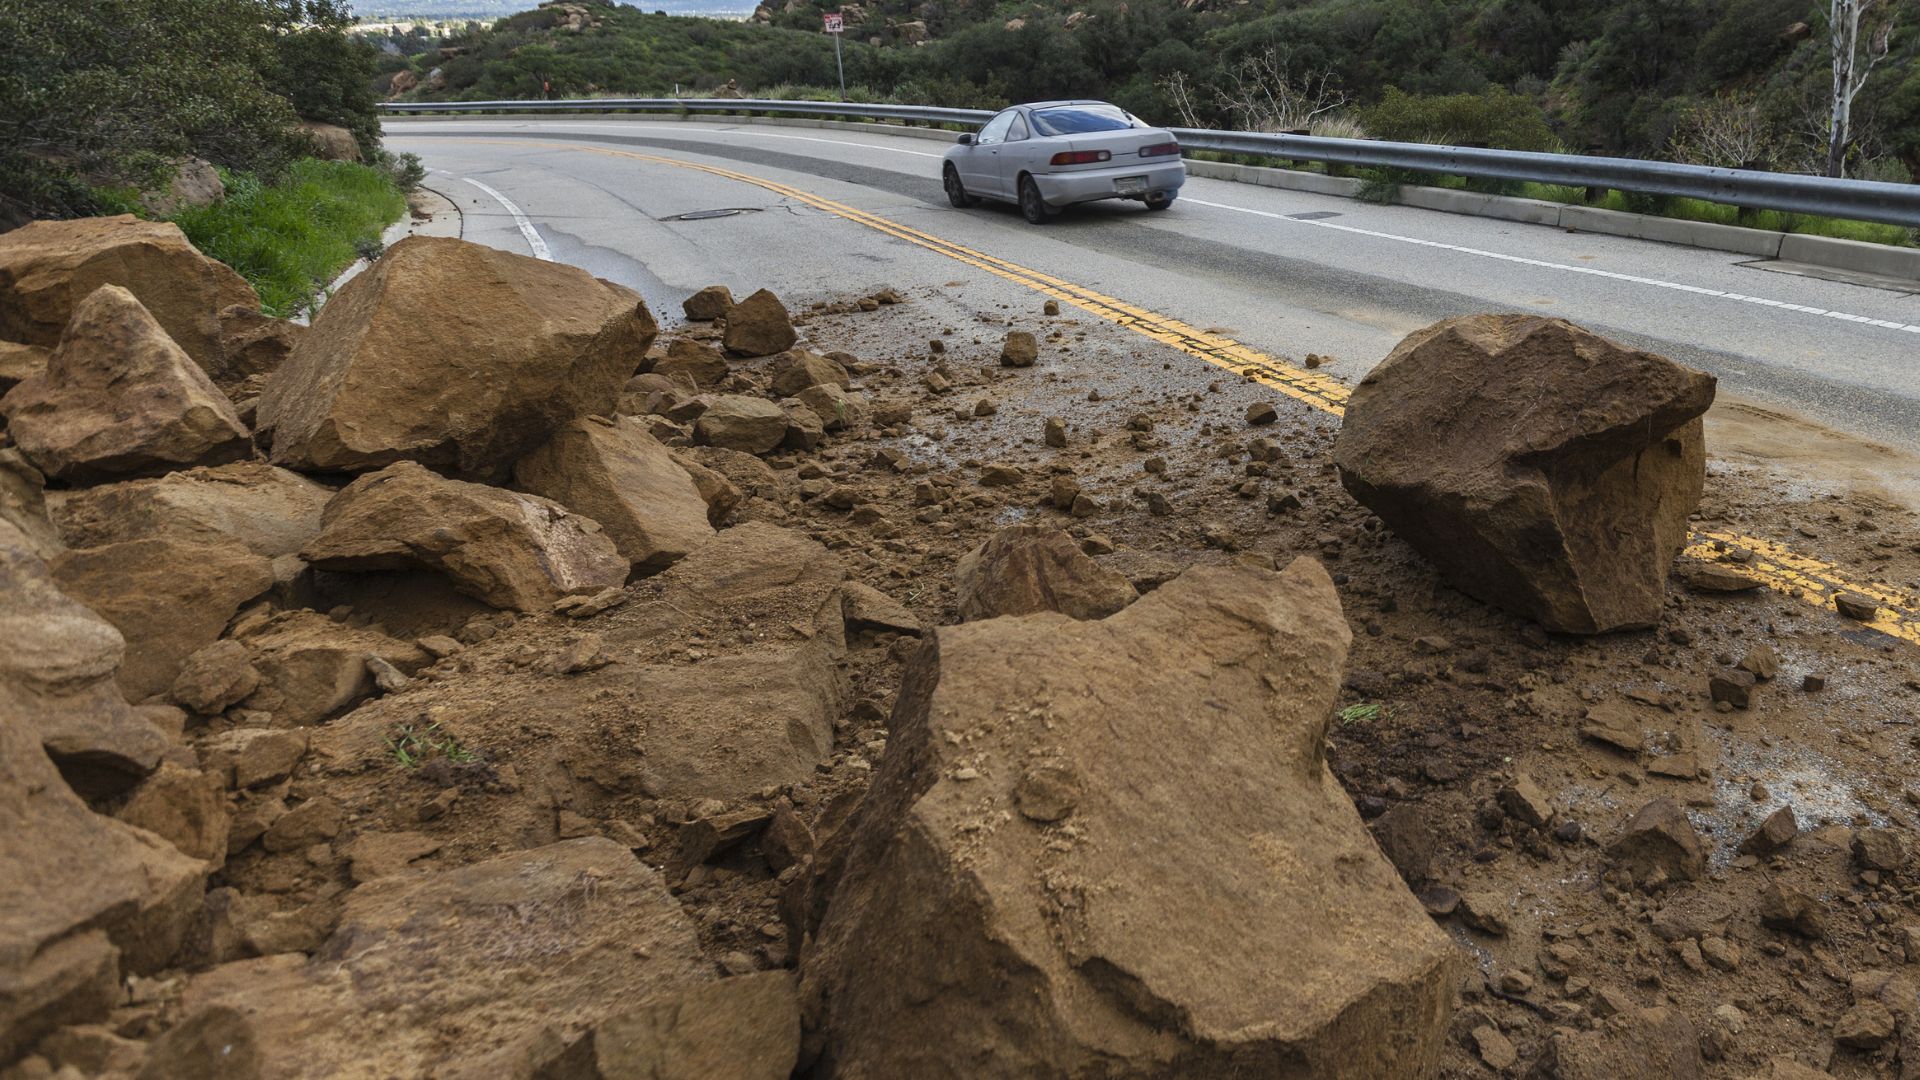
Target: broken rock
[(563, 936), (615, 473), (501, 547), (737, 422), (119, 398), (270, 510), (1027, 568), (708, 304), (453, 354), (1566, 506), (311, 667), (952, 941), (759, 326), (47, 268), (743, 1028), (169, 597), (1659, 840)]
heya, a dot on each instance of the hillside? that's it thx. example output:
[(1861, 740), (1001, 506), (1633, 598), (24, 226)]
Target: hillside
[(1731, 82)]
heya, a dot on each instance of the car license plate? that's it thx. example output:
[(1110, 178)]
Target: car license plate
[(1131, 185)]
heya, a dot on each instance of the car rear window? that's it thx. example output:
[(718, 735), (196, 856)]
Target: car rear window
[(1080, 119)]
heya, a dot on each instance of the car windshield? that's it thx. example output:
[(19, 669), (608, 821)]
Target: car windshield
[(1080, 119)]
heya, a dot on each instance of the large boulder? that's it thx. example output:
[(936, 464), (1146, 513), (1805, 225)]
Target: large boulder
[(83, 897), (616, 473), (167, 595), (48, 267), (759, 326), (57, 678), (1115, 848), (1027, 568), (743, 1028), (501, 547), (330, 142), (254, 343), (434, 975), (452, 354), (120, 397), (1541, 467), (269, 510)]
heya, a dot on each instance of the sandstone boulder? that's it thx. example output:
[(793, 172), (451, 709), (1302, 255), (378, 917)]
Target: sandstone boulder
[(119, 397), (710, 303), (837, 407), (743, 1028), (455, 355), (728, 728), (330, 142), (269, 510), (57, 680), (168, 596), (195, 182), (759, 326), (1027, 568), (253, 343), (700, 363), (1541, 467), (312, 667), (20, 362), (432, 975), (617, 474), (215, 677), (24, 520), (797, 369), (185, 807), (1075, 861), (83, 898), (737, 422), (720, 493), (504, 548), (48, 267)]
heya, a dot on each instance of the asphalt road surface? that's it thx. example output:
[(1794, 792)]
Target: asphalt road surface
[(1284, 272)]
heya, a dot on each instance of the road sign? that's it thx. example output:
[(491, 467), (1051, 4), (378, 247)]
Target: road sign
[(835, 24)]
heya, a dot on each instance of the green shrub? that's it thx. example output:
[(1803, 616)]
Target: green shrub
[(292, 237), (1495, 118)]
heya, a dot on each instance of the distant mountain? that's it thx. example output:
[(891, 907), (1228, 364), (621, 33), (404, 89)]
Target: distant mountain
[(484, 10)]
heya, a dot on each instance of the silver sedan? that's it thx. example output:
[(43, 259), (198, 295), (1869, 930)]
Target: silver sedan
[(1051, 154)]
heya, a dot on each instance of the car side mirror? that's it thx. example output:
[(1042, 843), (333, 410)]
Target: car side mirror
[(965, 140)]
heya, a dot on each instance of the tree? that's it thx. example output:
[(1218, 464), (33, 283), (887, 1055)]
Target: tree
[(1260, 93), (1852, 63), (1727, 130)]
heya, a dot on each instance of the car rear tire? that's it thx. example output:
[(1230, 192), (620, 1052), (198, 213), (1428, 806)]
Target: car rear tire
[(1159, 202), (1031, 204), (956, 191)]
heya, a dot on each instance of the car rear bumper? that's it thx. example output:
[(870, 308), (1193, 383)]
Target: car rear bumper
[(1163, 177)]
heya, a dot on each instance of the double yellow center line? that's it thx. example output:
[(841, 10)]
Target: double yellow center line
[(1798, 576)]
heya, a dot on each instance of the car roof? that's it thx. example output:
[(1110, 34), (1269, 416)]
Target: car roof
[(1057, 104)]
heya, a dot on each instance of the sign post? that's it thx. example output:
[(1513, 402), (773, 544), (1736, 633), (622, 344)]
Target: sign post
[(836, 24)]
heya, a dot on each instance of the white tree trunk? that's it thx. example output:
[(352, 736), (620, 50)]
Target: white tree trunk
[(1850, 71)]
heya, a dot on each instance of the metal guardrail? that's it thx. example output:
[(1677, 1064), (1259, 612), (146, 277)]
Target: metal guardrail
[(1855, 200)]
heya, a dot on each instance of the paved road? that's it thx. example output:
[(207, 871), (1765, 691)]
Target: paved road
[(1285, 272)]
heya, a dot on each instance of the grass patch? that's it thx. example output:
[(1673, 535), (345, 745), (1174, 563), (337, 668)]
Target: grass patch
[(1359, 714), (411, 745), (290, 238)]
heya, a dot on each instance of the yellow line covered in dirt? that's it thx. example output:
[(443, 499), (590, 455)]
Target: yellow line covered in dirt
[(1802, 577)]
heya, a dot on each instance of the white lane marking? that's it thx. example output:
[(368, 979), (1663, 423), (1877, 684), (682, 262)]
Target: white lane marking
[(1590, 271), (756, 134), (520, 220)]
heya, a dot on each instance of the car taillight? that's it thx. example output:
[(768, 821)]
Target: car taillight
[(1081, 157), (1160, 149)]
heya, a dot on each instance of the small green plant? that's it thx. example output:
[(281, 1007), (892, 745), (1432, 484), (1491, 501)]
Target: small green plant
[(1363, 713), (412, 745)]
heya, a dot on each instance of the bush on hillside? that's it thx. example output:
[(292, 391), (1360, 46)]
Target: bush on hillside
[(1495, 118)]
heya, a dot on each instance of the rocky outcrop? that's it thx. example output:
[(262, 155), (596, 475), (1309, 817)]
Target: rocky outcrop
[(48, 267), (494, 962), (1153, 873), (1542, 468), (454, 355), (501, 547), (268, 510), (1023, 569), (759, 326), (168, 596), (120, 398), (617, 474)]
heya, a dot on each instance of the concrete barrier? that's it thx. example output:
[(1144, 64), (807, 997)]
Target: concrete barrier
[(1855, 255), (1700, 234)]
